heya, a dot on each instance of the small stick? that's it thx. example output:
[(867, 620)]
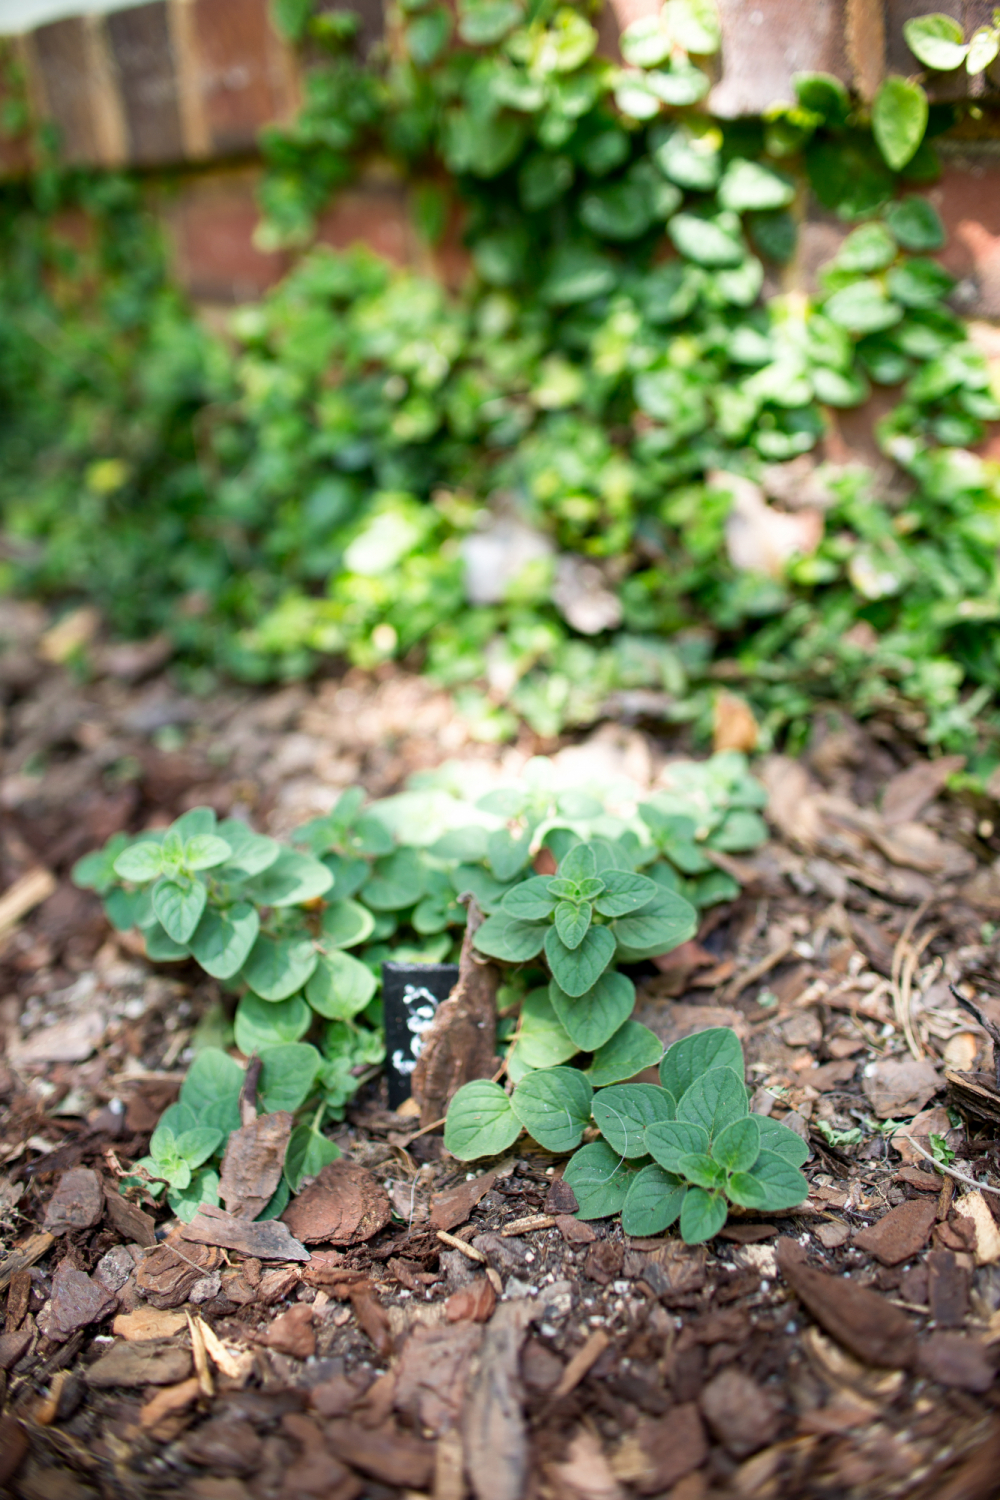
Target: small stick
[(456, 1244), (981, 1187), (200, 1355), (581, 1362), (248, 1093), (525, 1226), (434, 1125)]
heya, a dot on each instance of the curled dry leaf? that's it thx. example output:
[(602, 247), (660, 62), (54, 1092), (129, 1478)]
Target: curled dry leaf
[(733, 724), (344, 1205), (253, 1163)]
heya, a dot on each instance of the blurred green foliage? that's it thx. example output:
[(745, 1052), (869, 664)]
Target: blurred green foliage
[(618, 366)]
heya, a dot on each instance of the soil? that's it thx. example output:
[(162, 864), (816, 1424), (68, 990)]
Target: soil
[(483, 1341)]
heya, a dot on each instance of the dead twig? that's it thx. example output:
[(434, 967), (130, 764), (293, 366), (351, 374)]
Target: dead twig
[(905, 958), (981, 1187)]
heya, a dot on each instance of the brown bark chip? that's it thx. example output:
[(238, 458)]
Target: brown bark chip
[(388, 1456), (947, 1289), (743, 1417), (292, 1333), (253, 1163), (13, 1447), (574, 1231), (604, 1262), (494, 1431), (12, 1346), (656, 1454), (897, 1087), (460, 1043), (167, 1274), (77, 1203), (76, 1301), (560, 1198), (954, 1360), (452, 1208), (900, 1233), (134, 1225), (433, 1373), (345, 1205), (863, 1321), (151, 1362), (473, 1303), (269, 1239)]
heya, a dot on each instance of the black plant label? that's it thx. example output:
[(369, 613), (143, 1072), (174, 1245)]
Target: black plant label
[(411, 994)]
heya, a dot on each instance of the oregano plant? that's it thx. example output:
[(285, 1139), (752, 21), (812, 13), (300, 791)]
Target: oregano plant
[(685, 1149)]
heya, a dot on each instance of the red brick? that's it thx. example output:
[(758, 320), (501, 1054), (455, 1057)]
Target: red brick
[(238, 71), (764, 42), (375, 216), (143, 54), (58, 56), (16, 157), (968, 199), (212, 224)]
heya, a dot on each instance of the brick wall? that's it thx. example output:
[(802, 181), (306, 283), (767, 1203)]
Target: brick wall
[(187, 85)]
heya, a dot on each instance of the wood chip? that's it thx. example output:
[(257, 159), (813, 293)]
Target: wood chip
[(148, 1323), (452, 1208), (494, 1430), (973, 1206), (900, 1233), (133, 1224), (137, 1364), (344, 1205), (23, 896), (253, 1163), (24, 1255), (200, 1356), (528, 1225), (474, 1303), (77, 1203), (266, 1239), (581, 1362), (863, 1321), (169, 1403)]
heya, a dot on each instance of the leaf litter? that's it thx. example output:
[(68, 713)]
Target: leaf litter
[(846, 1348)]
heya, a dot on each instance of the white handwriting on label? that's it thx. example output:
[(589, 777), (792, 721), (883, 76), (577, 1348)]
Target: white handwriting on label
[(422, 1007)]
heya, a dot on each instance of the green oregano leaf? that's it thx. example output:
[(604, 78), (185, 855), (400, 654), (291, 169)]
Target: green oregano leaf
[(578, 969), (632, 1048), (623, 1111), (772, 1184), (480, 1121), (702, 1215), (277, 967), (714, 1101), (600, 1180), (553, 1105), (737, 1147), (591, 1019), (178, 904), (223, 938), (653, 1201), (667, 1141), (572, 919), (688, 1059)]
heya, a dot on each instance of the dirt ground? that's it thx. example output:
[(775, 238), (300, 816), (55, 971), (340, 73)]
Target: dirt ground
[(483, 1341)]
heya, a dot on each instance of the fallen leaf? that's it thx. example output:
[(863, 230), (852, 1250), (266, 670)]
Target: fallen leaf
[(147, 1363), (585, 1474), (344, 1205), (900, 1233), (733, 724), (580, 593), (603, 1262), (253, 1163), (77, 1203), (908, 792), (916, 847), (792, 800), (433, 1373), (742, 1415), (292, 1333), (474, 1302), (560, 1198), (952, 1359), (863, 1321), (451, 1208), (759, 538), (898, 1087), (656, 1454), (267, 1239), (973, 1206), (76, 1302), (494, 1431), (148, 1323)]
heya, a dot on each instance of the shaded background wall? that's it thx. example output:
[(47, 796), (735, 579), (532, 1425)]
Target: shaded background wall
[(180, 89)]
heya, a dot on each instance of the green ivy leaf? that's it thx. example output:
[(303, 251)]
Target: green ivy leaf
[(645, 43), (179, 904), (267, 1023), (862, 307), (737, 1147), (278, 967), (623, 1111), (899, 119), (531, 901), (714, 1100), (340, 986), (599, 1179), (501, 936), (591, 1019), (984, 45), (870, 247), (139, 862), (344, 924), (773, 1184), (694, 24), (553, 1105), (287, 1076), (632, 1048), (578, 969), (223, 938), (916, 224), (937, 41), (705, 240), (667, 1141), (572, 921), (688, 1059), (781, 1139), (480, 1121), (750, 185), (289, 880), (702, 1215), (653, 1201), (307, 1154)]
